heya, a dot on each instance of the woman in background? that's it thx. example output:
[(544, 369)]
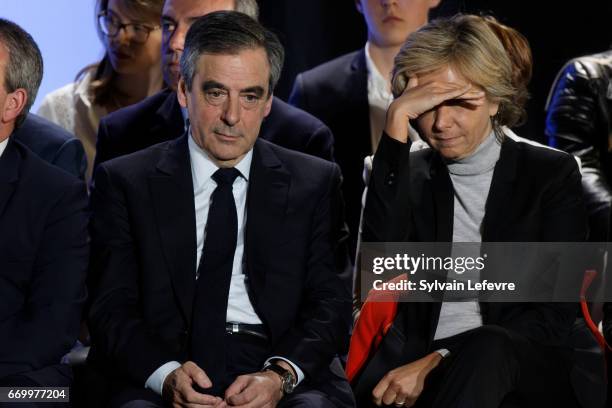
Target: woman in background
[(129, 71)]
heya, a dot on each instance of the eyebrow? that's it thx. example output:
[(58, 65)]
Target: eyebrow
[(208, 85)]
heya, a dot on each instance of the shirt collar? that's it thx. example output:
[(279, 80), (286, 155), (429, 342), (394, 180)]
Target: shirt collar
[(377, 80), (3, 146), (202, 167)]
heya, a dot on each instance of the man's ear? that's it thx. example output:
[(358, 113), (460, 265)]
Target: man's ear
[(268, 106), (181, 93), (14, 104)]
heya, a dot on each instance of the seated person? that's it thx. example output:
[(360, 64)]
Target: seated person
[(52, 144), (214, 253), (43, 245), (477, 183)]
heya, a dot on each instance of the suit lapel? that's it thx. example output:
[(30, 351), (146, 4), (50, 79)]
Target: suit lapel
[(443, 196), (9, 173), (266, 210), (499, 200), (358, 92), (173, 202)]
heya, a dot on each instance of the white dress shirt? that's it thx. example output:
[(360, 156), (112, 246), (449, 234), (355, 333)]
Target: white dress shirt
[(379, 99), (3, 146), (239, 307)]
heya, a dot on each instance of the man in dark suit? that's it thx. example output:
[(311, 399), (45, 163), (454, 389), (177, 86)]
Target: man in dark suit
[(215, 252), (53, 144), (43, 244), (159, 118), (351, 93)]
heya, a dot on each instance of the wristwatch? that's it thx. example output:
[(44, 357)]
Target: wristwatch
[(287, 378)]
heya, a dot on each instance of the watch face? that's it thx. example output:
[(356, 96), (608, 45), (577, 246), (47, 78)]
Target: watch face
[(288, 385)]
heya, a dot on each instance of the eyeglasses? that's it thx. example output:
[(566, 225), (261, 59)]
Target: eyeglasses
[(110, 25)]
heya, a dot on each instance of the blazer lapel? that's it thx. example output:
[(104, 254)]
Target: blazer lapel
[(266, 210), (444, 200), (358, 92), (173, 202), (500, 193), (9, 173)]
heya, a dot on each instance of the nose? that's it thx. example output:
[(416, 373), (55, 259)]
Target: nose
[(231, 111), (123, 37), (443, 117), (176, 42)]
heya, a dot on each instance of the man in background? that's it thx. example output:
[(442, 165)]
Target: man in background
[(351, 93)]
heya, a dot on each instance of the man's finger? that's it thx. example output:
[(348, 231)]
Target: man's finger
[(191, 396), (237, 387), (197, 374), (246, 396)]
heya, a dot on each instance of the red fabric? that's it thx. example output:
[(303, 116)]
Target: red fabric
[(377, 315)]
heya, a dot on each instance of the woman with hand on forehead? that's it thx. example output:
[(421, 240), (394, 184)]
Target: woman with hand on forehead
[(453, 80)]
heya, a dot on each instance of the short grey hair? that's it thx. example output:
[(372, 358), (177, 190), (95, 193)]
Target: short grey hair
[(248, 7), (227, 33), (24, 68)]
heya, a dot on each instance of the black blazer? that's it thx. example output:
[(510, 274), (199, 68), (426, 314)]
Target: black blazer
[(144, 257), (53, 144), (535, 196), (43, 260), (158, 119), (337, 93)]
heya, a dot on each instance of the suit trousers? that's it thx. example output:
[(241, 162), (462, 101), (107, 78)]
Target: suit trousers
[(247, 354), (491, 367)]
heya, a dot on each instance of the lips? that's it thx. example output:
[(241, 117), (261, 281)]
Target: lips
[(392, 18), (121, 55), (226, 137)]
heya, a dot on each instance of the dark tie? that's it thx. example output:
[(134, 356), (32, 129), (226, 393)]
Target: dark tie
[(212, 286)]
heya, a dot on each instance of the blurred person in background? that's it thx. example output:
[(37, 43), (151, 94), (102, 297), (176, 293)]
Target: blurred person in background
[(351, 93), (129, 71)]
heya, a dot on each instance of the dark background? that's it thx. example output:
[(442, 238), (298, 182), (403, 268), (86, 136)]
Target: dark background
[(315, 31)]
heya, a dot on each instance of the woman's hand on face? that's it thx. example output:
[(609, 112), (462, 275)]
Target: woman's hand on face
[(403, 385), (420, 98)]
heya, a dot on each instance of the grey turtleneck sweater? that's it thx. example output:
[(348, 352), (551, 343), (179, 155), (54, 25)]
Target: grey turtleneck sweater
[(471, 178)]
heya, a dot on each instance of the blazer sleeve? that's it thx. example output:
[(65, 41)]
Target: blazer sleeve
[(321, 143), (49, 322), (71, 157), (298, 94), (322, 329), (388, 190), (119, 334), (564, 220)]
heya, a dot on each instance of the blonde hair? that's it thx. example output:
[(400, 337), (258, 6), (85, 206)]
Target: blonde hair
[(467, 44)]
